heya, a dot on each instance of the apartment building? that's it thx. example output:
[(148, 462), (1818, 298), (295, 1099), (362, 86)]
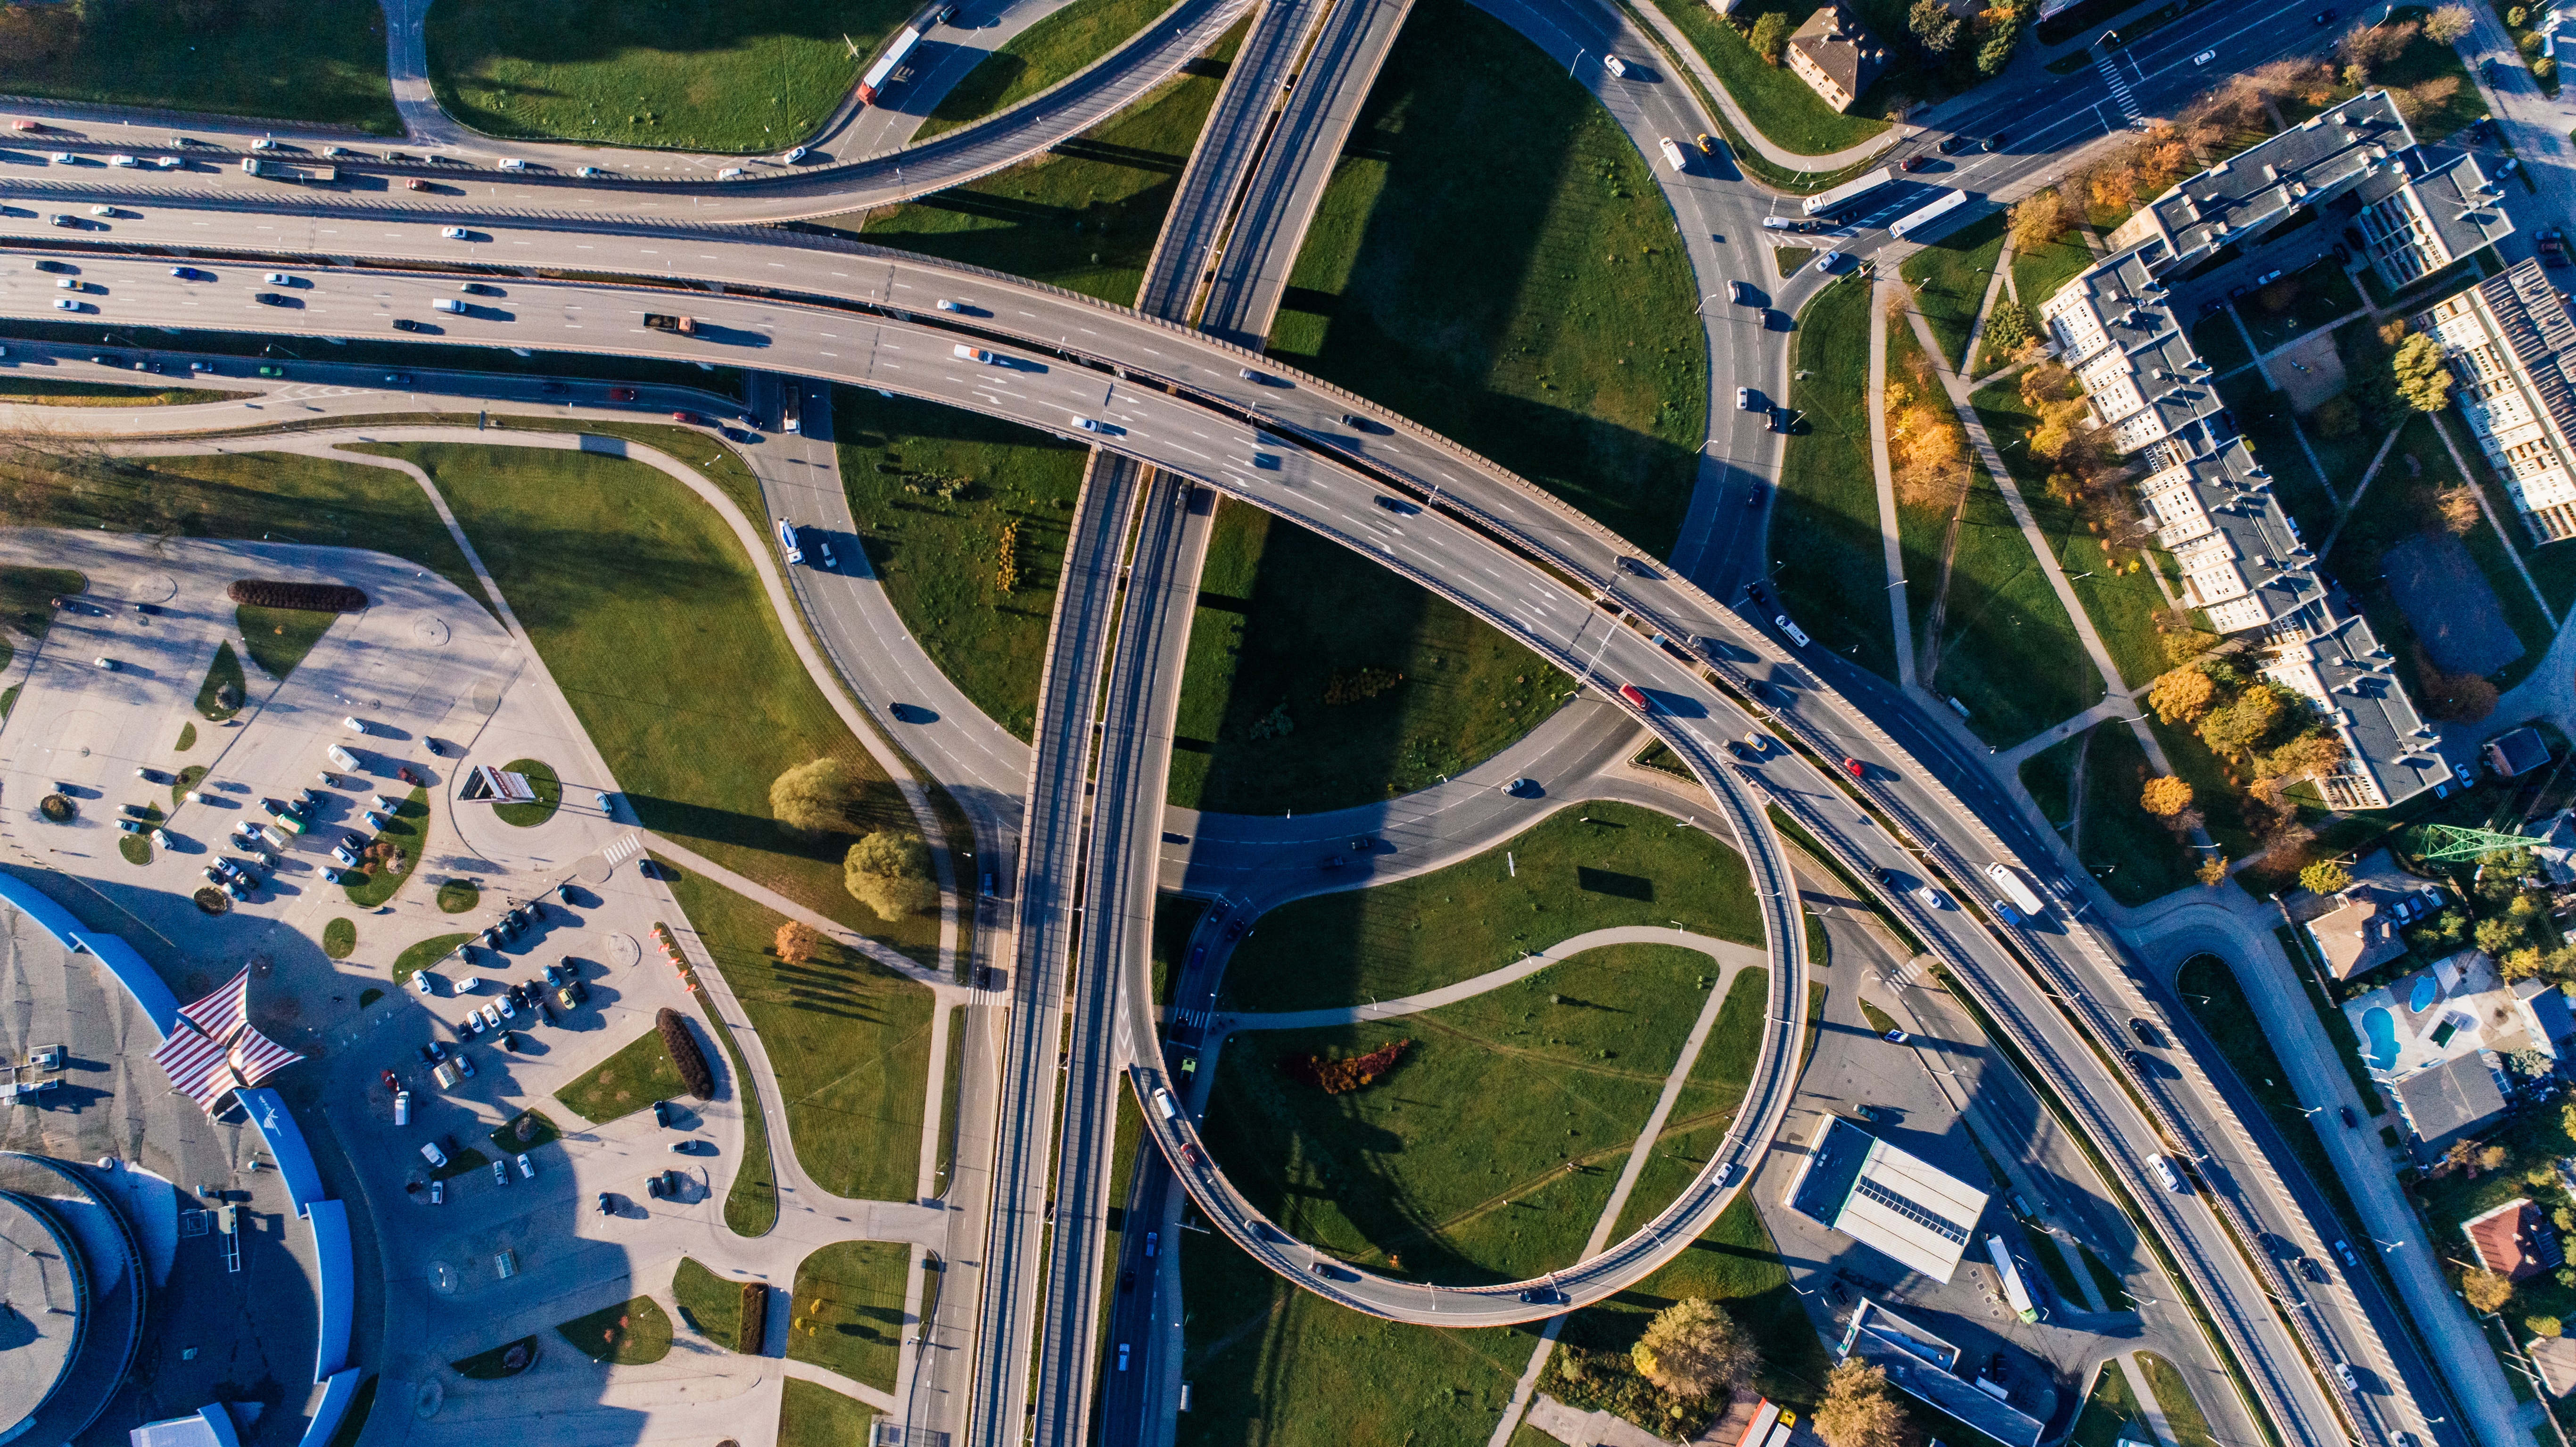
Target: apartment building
[(2510, 344)]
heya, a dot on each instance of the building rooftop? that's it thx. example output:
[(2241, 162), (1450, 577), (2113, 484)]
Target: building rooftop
[(2513, 1240), (1840, 47), (2329, 654), (1921, 1365), (44, 1300), (2555, 1356), (2518, 752), (2448, 1100), (1886, 1199), (2361, 932), (2235, 201)]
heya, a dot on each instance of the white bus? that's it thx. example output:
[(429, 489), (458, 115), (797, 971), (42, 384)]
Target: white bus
[(1917, 219)]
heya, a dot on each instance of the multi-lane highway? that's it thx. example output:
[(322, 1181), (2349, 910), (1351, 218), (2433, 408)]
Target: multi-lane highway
[(1518, 559)]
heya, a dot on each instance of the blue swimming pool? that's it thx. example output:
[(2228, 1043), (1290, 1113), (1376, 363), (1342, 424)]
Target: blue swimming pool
[(2427, 990), (2382, 1030)]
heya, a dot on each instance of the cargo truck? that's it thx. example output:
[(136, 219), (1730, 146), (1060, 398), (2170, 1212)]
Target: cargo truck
[(268, 170), (662, 322), (2015, 890)]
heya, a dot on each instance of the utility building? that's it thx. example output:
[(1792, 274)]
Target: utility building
[(1887, 1200)]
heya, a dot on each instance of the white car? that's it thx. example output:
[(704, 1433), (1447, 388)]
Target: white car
[(168, 163), (586, 171), (503, 1005), (123, 161), (511, 163), (430, 1152), (976, 354), (65, 158), (356, 725), (263, 144), (1615, 66), (731, 173), (1796, 634), (110, 664), (447, 304), (787, 541), (278, 278), (1931, 898), (66, 304), (526, 1167), (420, 982), (452, 233), (793, 156), (1829, 261), (2205, 57), (948, 306)]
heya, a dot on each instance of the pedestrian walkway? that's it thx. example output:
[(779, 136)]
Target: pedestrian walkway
[(1729, 957), (2107, 66)]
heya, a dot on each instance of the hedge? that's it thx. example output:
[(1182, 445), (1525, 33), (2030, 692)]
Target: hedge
[(303, 597), (692, 1062), (754, 1331)]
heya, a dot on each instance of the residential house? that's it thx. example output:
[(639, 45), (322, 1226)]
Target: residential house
[(2519, 752), (2514, 1240), (1836, 56)]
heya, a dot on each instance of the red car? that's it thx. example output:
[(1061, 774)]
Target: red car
[(689, 419), (404, 773), (1853, 767), (621, 394), (1910, 163), (1635, 698)]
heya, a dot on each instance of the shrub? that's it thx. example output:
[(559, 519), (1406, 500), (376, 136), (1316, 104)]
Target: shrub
[(303, 597), (685, 1054), (796, 942), (2008, 327), (2326, 877), (890, 873), (1340, 1077), (2486, 1291), (2450, 24), (1770, 36), (1365, 683), (2165, 796), (2542, 1325), (755, 1318)]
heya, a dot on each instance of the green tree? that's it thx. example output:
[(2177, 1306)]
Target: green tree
[(1860, 1411), (2486, 1291), (890, 872), (2242, 724), (1934, 27), (2448, 25), (813, 799), (2326, 877), (1771, 36), (1996, 53), (2422, 381), (2496, 935), (1694, 1349)]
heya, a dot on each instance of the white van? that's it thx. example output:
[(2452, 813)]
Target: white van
[(1163, 1105), (402, 1107), (354, 724), (344, 758), (2165, 1172)]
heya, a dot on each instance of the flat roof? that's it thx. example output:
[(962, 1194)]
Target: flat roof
[(1919, 1363), (43, 1301), (1893, 1202)]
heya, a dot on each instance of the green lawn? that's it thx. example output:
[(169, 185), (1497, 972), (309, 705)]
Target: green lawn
[(2038, 274), (526, 1131), (812, 1415), (751, 1202), (1950, 277), (2396, 508), (1836, 587), (1628, 866), (1735, 1265), (2220, 343), (63, 392), (710, 1305), (1489, 1150), (407, 831), (339, 938), (2145, 859), (850, 1041), (2320, 294), (187, 732), (2008, 650), (2111, 1412), (320, 61), (1530, 299), (1084, 215), (549, 791), (319, 501), (639, 1074), (1056, 48), (2049, 778), (26, 601), (2173, 1394), (2119, 595), (1272, 1363), (1706, 1107), (752, 75), (663, 641), (2264, 416), (848, 1314), (1792, 116), (424, 954), (457, 896), (278, 638), (934, 490), (1289, 621), (1922, 523)]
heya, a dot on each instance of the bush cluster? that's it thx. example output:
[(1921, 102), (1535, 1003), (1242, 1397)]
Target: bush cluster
[(685, 1054), (1340, 1077), (1355, 686), (303, 597)]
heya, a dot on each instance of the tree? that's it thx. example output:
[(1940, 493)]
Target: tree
[(2542, 1325), (2326, 877), (2038, 220), (1771, 36), (2311, 755), (2165, 796), (2486, 1291), (2491, 1158), (1693, 1349), (890, 873), (2497, 935), (2533, 1065), (796, 942), (812, 799), (2422, 380), (1934, 27), (1996, 52), (2448, 25), (2182, 696), (2244, 723), (1860, 1411), (2213, 870), (2114, 186)]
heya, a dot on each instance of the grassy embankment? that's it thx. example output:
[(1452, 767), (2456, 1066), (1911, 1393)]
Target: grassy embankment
[(320, 61), (1056, 48)]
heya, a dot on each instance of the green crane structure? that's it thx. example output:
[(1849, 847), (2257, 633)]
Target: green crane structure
[(2450, 841)]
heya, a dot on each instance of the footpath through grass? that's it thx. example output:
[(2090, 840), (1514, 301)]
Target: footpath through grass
[(664, 642), (639, 1074), (1530, 300), (943, 497), (2008, 650), (1083, 216), (1950, 277), (1489, 1150), (1707, 1103), (1836, 585), (1317, 678), (1587, 867), (320, 61), (848, 1313), (849, 1038), (749, 75), (1056, 48)]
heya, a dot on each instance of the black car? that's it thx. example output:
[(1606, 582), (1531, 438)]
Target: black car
[(1333, 861), (1953, 145), (406, 324), (56, 266), (1234, 930), (2348, 1122), (2309, 1268), (2325, 17), (1363, 843), (2145, 1032), (1127, 1281), (1396, 505), (1995, 141), (662, 1112)]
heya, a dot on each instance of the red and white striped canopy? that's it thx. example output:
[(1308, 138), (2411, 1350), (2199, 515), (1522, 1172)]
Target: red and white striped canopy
[(214, 1050)]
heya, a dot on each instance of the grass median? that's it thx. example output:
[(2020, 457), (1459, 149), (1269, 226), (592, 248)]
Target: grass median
[(663, 640), (394, 854), (813, 1415), (1787, 110), (1836, 584), (751, 75), (63, 392), (848, 1038), (848, 1312), (320, 61), (2008, 650), (1530, 300), (1085, 215), (1583, 868), (964, 519), (1057, 48), (279, 638), (1317, 678)]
